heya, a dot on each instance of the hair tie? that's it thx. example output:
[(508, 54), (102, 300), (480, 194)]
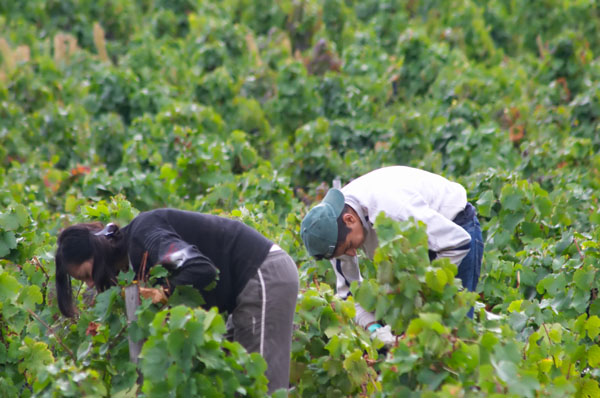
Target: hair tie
[(108, 231)]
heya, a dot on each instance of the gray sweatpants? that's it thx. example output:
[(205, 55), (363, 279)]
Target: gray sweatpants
[(264, 314)]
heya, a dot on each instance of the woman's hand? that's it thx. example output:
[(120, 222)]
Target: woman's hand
[(156, 294)]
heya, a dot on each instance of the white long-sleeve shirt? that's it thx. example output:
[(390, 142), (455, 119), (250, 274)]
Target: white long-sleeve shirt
[(403, 193)]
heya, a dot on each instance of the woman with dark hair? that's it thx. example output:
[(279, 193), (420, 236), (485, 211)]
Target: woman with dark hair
[(79, 247), (234, 267)]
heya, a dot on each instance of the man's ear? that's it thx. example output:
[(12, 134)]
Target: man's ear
[(349, 219)]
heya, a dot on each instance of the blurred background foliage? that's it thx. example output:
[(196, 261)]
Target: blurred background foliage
[(250, 109)]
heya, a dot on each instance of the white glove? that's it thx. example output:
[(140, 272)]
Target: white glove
[(384, 334)]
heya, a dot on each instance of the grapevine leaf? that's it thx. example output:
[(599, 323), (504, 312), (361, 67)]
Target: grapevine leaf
[(356, 367), (593, 356), (8, 241), (186, 295), (543, 206), (9, 287), (511, 198), (178, 317), (30, 296), (9, 221), (593, 326), (484, 203)]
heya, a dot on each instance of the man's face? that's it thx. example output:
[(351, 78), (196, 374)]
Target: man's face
[(355, 237)]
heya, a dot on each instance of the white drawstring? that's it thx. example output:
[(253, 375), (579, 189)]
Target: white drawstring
[(264, 311)]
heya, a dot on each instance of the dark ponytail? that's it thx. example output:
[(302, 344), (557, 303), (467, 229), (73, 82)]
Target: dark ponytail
[(64, 292), (79, 243)]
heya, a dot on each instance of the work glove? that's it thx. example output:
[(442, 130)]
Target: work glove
[(383, 334)]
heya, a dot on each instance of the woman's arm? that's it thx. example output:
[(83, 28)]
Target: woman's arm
[(186, 264), (198, 271)]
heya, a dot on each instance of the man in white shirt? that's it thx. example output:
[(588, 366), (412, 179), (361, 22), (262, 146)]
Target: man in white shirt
[(343, 223)]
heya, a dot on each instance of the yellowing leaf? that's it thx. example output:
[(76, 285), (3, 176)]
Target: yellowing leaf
[(590, 389), (545, 365), (348, 309), (167, 172), (593, 356), (436, 279), (442, 277), (415, 327), (593, 326), (515, 306)]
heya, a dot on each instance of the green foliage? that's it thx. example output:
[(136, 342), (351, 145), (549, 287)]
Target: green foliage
[(187, 347), (296, 101), (250, 109), (329, 352), (405, 285)]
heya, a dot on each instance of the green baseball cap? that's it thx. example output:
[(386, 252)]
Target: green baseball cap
[(319, 228)]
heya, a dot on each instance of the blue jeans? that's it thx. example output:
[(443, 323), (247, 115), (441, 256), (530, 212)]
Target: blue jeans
[(470, 267)]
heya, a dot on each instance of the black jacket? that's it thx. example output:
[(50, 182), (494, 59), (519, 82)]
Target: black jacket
[(198, 249)]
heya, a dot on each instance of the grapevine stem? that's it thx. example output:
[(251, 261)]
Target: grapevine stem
[(578, 249), (550, 341), (79, 290), (39, 264), (447, 369), (547, 334), (33, 314), (116, 339)]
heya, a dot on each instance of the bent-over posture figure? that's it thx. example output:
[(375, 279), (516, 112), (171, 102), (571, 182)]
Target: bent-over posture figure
[(343, 223), (251, 278)]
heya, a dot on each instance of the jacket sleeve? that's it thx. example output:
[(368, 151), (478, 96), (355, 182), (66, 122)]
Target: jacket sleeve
[(198, 271), (346, 271), (187, 265)]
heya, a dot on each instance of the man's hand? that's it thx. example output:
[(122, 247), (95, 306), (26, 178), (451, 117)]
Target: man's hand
[(384, 334), (156, 294)]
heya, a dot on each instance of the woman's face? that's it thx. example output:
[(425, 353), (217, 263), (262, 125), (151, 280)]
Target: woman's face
[(83, 272)]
